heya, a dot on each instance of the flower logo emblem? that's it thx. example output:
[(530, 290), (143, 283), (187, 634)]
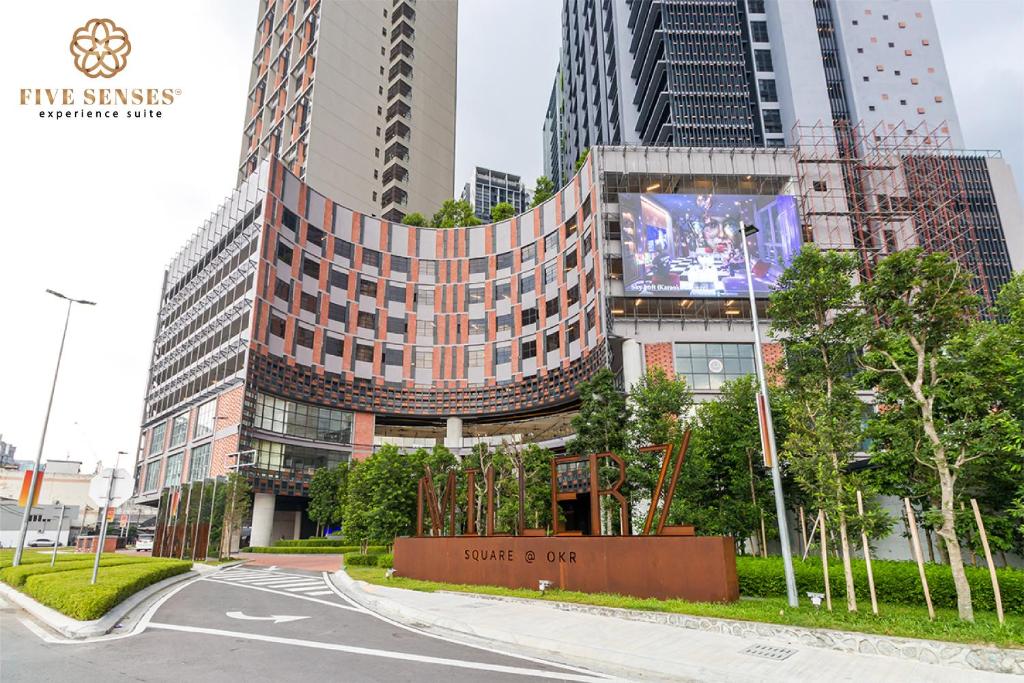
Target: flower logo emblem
[(100, 48)]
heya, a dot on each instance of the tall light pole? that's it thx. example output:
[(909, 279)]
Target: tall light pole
[(23, 531), (764, 418)]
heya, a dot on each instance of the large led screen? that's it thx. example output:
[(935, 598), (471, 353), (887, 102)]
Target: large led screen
[(688, 245)]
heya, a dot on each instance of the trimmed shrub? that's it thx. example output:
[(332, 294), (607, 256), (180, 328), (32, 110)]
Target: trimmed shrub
[(386, 561), (312, 549), (71, 593), (16, 576), (357, 560), (895, 582), (333, 542)]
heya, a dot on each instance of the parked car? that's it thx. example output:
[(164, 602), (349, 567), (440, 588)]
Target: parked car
[(143, 543), (42, 542)]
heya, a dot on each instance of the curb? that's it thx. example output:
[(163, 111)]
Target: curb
[(967, 657)]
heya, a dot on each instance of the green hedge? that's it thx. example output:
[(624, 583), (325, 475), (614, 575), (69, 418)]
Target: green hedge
[(895, 582), (312, 549), (71, 593), (16, 576), (386, 561), (359, 560), (334, 542)]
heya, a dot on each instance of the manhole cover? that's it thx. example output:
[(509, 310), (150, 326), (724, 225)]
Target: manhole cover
[(769, 652)]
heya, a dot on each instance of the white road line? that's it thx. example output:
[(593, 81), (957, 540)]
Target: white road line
[(305, 588), (404, 656), (322, 593), (332, 603), (428, 634), (279, 584)]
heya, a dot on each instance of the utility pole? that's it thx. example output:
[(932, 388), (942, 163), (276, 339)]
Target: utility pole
[(103, 528)]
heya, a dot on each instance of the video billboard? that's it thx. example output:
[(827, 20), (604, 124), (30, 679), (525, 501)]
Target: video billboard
[(688, 245)]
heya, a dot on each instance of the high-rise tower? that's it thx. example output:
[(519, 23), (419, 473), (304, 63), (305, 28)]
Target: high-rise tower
[(358, 99)]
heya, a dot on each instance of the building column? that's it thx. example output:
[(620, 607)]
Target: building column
[(262, 519), (297, 529), (453, 438), (632, 363)]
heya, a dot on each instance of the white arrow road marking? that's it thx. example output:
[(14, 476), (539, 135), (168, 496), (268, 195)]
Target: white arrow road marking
[(276, 618), (272, 568)]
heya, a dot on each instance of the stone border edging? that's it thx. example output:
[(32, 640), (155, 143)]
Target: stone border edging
[(969, 657)]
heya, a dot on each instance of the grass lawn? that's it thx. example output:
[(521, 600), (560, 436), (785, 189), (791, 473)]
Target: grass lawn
[(66, 586), (893, 620)]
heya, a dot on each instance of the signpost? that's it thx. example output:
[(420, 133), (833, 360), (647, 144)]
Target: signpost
[(109, 489)]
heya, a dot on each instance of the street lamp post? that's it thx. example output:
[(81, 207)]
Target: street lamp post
[(764, 417), (23, 531)]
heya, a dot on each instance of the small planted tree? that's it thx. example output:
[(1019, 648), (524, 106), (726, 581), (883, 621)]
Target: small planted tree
[(454, 213), (502, 211), (582, 159), (921, 302), (236, 497), (816, 315), (543, 190), (415, 218), (326, 495)]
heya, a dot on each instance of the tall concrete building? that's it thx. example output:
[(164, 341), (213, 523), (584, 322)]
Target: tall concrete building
[(848, 84), (489, 187), (358, 99)]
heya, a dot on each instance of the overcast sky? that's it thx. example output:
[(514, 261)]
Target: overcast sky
[(97, 209)]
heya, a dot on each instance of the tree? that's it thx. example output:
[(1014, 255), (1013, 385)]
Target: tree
[(502, 211), (816, 315), (921, 302), (416, 219), (235, 500), (724, 488), (326, 493), (582, 159), (542, 191), (600, 424), (658, 404), (454, 213)]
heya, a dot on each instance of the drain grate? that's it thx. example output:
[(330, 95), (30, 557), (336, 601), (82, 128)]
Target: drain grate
[(769, 652)]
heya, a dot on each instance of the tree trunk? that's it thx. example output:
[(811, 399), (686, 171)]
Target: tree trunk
[(947, 532), (851, 596)]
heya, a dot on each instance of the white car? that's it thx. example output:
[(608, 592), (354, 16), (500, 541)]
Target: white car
[(42, 542), (143, 543)]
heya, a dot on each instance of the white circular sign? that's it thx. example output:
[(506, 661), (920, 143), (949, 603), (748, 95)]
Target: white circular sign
[(124, 483), (715, 365)]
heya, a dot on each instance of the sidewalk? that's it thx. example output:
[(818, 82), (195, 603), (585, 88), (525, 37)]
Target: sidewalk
[(639, 649)]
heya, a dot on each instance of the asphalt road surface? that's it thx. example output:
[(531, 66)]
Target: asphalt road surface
[(246, 624)]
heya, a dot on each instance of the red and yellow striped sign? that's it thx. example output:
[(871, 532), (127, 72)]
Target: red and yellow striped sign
[(26, 484)]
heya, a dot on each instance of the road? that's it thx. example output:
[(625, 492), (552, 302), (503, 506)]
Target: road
[(259, 623)]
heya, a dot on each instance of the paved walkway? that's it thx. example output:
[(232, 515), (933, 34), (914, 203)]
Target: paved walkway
[(634, 649), (313, 563)]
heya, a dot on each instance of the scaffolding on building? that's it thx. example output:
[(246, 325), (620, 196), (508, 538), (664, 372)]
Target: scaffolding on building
[(875, 191)]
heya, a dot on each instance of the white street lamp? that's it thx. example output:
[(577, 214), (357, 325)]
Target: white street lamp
[(23, 531), (764, 418)]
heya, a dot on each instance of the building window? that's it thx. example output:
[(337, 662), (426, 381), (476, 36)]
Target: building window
[(528, 349), (156, 442), (819, 186), (551, 243), (334, 346), (526, 283), (424, 359), (304, 337), (311, 268), (529, 253), (396, 293), (772, 121), (199, 463), (397, 325), (502, 291), (205, 418), (400, 264), (425, 330), (290, 220), (343, 249), (367, 320), (766, 87), (152, 475), (337, 313), (339, 279), (502, 354), (504, 260), (364, 353), (551, 307), (528, 316), (307, 302), (394, 356), (707, 366), (277, 326), (284, 253), (551, 342), (282, 289), (763, 60), (476, 356), (368, 287), (550, 272), (478, 326), (475, 294), (302, 420), (572, 332), (428, 268), (478, 266), (759, 31), (570, 259), (172, 471), (424, 296), (179, 431), (572, 295), (504, 323), (371, 257)]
